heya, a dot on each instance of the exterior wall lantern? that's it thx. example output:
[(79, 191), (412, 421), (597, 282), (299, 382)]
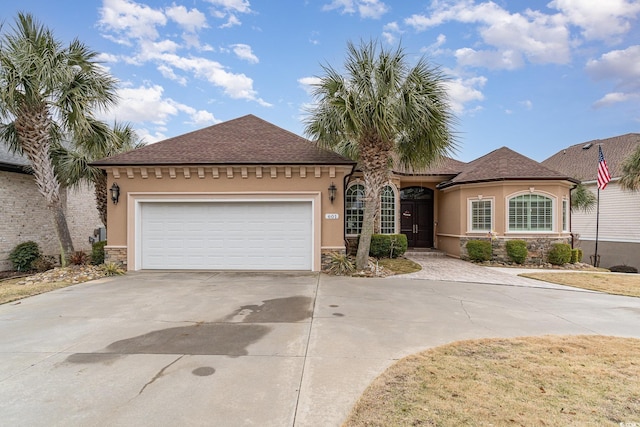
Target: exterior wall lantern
[(115, 193), (332, 192)]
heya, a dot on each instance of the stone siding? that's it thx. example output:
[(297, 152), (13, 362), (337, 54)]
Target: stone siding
[(117, 254), (537, 247), (325, 258), (24, 216)]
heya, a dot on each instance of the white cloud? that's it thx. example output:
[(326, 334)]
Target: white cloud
[(390, 32), (615, 98), (527, 104), (604, 20), (509, 37), (307, 83), (623, 68), (365, 8), (241, 6), (465, 90), (131, 19), (243, 51), (191, 20), (147, 104), (231, 22)]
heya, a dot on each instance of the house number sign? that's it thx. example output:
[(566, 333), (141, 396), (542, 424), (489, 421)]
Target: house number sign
[(331, 216)]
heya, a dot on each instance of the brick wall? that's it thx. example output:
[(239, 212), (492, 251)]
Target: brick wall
[(24, 216)]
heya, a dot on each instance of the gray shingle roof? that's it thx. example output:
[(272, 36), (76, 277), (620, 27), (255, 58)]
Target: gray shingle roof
[(245, 140), (581, 162), (501, 165)]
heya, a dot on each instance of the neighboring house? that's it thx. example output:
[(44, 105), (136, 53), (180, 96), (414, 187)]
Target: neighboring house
[(24, 214), (619, 225), (246, 194)]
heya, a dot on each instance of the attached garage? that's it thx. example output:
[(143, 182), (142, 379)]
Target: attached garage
[(225, 235)]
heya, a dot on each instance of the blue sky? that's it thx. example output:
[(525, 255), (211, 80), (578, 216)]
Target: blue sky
[(535, 78)]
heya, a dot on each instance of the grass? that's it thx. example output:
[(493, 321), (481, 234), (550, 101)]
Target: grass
[(399, 265), (11, 291), (583, 380), (617, 284)]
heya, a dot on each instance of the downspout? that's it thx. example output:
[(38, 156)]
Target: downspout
[(571, 216)]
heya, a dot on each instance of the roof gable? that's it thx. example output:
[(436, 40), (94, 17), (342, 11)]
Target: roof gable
[(581, 160), (245, 140), (501, 165)]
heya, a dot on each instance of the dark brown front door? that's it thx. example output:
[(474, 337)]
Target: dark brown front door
[(417, 222)]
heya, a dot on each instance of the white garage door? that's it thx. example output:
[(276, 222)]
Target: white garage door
[(226, 235)]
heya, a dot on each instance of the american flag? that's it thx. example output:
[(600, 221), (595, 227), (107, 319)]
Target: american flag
[(603, 171)]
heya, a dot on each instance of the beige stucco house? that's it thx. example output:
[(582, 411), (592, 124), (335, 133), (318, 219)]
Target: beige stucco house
[(246, 194)]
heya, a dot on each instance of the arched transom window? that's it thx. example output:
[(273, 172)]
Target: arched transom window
[(531, 212)]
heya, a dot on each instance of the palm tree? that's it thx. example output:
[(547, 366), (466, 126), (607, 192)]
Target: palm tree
[(630, 179), (73, 161), (381, 109), (47, 90), (582, 199)]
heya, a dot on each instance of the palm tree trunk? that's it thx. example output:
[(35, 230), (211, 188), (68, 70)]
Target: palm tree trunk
[(32, 127), (374, 161)]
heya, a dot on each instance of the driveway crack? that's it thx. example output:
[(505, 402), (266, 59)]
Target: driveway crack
[(158, 375)]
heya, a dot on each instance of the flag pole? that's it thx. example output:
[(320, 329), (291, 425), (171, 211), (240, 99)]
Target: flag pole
[(595, 257)]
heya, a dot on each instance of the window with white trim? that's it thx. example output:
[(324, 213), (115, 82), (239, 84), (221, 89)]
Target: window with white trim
[(531, 212), (387, 210), (565, 215), (354, 211), (481, 215)]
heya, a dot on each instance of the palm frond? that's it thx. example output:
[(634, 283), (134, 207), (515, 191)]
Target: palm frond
[(630, 179)]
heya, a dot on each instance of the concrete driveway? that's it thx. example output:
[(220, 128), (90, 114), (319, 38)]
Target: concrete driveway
[(253, 349)]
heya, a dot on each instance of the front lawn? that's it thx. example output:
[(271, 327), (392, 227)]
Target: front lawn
[(611, 283)]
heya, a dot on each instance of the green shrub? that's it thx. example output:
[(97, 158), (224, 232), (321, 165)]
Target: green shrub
[(576, 255), (559, 254), (623, 269), (23, 256), (517, 251), (113, 269), (479, 250), (388, 245), (97, 252)]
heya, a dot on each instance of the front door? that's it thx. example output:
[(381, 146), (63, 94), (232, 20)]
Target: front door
[(416, 219)]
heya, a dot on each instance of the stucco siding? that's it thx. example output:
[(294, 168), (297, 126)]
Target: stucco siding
[(24, 216)]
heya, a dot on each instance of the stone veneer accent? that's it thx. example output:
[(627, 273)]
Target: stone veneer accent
[(117, 254), (538, 248), (24, 216), (325, 258)]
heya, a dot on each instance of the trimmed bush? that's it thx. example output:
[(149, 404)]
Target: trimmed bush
[(576, 255), (517, 251), (23, 256), (388, 245), (479, 250), (97, 252), (42, 264), (559, 254), (623, 269)]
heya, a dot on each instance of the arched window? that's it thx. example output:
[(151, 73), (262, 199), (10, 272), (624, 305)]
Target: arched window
[(387, 210), (531, 212), (354, 212)]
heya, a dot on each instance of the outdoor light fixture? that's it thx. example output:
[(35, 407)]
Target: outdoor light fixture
[(115, 193), (332, 192)]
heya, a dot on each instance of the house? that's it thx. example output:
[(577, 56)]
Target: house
[(24, 214), (246, 194), (619, 225)]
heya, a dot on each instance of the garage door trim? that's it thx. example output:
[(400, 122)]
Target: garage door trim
[(134, 233)]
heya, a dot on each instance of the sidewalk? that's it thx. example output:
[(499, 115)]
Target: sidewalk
[(455, 270)]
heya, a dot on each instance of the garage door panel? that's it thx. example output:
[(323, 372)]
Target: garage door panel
[(226, 235)]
